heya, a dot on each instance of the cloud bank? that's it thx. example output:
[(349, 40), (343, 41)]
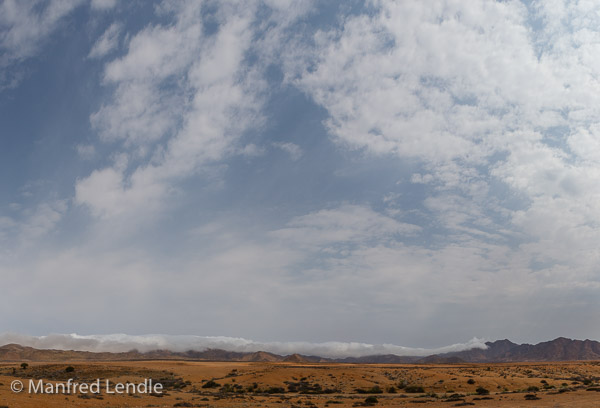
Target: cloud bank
[(123, 342)]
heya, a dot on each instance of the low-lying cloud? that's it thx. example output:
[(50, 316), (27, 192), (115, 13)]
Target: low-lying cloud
[(144, 343)]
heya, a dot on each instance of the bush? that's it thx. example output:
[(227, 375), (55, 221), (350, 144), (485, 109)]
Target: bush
[(471, 381), (211, 384), (371, 400), (69, 369), (227, 388), (373, 390), (24, 366), (414, 389), (275, 390), (454, 398), (533, 388), (481, 391)]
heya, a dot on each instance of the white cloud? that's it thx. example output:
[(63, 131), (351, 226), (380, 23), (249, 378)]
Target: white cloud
[(348, 223), (391, 84), (103, 4), (24, 26), (31, 224), (292, 149), (86, 151), (196, 122), (42, 220), (109, 195), (182, 102), (252, 150), (107, 42), (481, 99)]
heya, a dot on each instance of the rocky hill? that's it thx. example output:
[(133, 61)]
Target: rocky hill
[(560, 349)]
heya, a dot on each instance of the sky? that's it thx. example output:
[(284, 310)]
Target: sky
[(417, 173)]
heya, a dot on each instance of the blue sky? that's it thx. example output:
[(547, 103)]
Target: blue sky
[(416, 173)]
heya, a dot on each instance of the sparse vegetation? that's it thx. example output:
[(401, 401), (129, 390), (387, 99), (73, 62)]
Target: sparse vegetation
[(481, 391), (275, 390), (211, 384), (373, 390), (307, 385), (454, 398)]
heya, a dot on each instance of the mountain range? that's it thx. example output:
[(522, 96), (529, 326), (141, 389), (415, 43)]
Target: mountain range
[(560, 349)]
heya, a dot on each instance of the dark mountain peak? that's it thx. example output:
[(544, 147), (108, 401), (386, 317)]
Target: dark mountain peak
[(559, 349), (501, 343), (562, 340)]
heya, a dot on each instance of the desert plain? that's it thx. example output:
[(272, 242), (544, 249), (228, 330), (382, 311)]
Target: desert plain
[(312, 385)]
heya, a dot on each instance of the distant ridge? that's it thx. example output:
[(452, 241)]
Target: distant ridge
[(16, 352), (560, 349)]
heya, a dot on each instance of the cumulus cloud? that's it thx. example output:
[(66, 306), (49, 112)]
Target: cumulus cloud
[(123, 342), (482, 101)]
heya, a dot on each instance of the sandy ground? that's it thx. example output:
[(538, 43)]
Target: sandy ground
[(310, 385)]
